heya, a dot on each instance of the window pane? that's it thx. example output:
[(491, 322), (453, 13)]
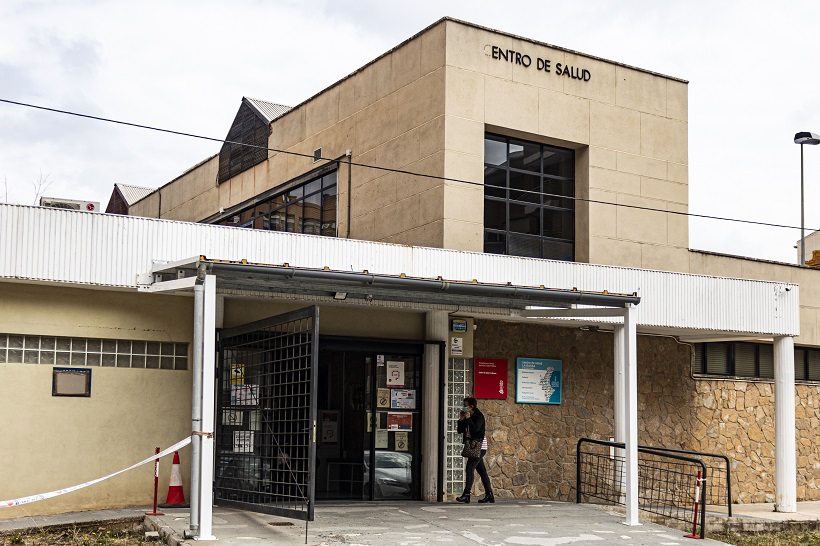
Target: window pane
[(525, 219), (495, 243), (554, 189), (314, 186), (495, 150), (699, 368), (15, 342), (557, 250), (525, 155), (767, 361), (525, 187), (799, 363), (312, 221), (745, 359), (329, 180), (814, 365), (495, 182), (559, 224), (329, 212), (559, 162), (293, 222), (717, 358), (495, 214), (520, 245)]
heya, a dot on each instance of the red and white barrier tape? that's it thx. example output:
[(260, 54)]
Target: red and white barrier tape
[(52, 494)]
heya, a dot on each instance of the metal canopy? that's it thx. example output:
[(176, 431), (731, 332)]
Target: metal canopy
[(368, 286)]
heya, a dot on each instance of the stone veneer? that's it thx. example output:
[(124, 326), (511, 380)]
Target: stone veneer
[(532, 446)]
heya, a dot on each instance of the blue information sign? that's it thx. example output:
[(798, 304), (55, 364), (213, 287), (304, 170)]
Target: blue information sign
[(538, 381)]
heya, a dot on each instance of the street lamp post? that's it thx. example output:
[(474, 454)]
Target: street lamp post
[(803, 138)]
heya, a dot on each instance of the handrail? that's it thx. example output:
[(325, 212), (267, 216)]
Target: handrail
[(660, 452)]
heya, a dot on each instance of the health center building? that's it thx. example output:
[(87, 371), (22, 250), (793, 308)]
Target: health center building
[(467, 212)]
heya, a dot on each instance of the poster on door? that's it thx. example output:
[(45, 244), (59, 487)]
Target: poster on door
[(330, 427), (395, 374), (403, 398), (400, 421)]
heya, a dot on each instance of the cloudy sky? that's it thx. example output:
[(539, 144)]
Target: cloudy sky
[(753, 70)]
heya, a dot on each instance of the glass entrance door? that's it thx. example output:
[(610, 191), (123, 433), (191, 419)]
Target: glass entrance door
[(369, 412), (392, 469)]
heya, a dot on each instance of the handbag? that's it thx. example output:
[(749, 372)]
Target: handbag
[(472, 449)]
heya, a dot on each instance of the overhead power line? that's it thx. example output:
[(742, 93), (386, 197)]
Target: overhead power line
[(392, 170)]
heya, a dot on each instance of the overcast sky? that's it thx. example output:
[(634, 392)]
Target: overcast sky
[(185, 65)]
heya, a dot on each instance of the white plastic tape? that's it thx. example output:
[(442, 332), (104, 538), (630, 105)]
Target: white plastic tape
[(52, 494)]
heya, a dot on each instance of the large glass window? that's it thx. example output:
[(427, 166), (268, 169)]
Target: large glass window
[(529, 208), (306, 208)]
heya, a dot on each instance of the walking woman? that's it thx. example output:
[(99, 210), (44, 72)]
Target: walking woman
[(471, 424)]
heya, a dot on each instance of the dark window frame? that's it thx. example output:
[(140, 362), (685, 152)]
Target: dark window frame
[(530, 241), (804, 372)]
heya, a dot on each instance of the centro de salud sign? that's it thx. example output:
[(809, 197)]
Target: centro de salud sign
[(542, 65)]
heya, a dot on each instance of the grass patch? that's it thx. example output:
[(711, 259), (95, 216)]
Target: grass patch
[(778, 538), (124, 534)]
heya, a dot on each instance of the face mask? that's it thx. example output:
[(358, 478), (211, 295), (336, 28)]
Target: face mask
[(465, 409)]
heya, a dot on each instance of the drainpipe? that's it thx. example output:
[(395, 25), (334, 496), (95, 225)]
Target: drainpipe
[(349, 154)]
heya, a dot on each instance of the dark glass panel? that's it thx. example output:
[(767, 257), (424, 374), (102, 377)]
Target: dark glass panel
[(329, 212), (699, 367), (495, 243), (799, 363), (767, 361), (495, 182), (495, 150), (745, 359), (555, 190), (559, 224), (559, 162), (329, 180), (293, 221), (557, 250), (814, 365), (525, 187), (525, 219), (495, 214), (717, 358), (521, 245), (525, 155)]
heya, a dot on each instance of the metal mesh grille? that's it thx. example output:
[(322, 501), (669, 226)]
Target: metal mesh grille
[(265, 438), (458, 385)]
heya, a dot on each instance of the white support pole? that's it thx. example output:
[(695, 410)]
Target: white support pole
[(196, 405), (631, 414), (619, 405), (785, 460), (620, 378), (208, 399), (436, 329)]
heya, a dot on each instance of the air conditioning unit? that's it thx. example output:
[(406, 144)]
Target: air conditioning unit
[(70, 204)]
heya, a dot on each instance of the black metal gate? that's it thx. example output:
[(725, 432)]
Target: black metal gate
[(266, 415)]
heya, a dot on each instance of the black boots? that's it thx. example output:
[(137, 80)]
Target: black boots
[(464, 498), (487, 498)]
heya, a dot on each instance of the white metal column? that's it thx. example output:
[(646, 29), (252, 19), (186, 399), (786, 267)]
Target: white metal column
[(196, 406), (620, 374), (784, 429), (630, 345), (436, 329), (206, 465)]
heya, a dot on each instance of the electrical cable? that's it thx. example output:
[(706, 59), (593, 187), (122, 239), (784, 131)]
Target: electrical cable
[(391, 170)]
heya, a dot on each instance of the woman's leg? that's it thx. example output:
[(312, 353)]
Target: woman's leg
[(469, 475), (485, 478)]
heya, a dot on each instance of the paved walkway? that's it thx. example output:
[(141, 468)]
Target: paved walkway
[(508, 522)]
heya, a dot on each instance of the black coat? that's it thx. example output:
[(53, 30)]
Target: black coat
[(476, 425)]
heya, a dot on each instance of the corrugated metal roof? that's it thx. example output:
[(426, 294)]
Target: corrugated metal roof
[(132, 194), (269, 110), (53, 245)]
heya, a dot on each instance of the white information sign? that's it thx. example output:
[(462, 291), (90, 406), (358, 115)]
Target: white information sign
[(395, 373)]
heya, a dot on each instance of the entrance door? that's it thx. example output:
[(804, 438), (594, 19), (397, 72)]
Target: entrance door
[(369, 440), (266, 415)]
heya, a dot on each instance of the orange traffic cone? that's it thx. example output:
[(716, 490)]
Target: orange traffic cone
[(175, 497)]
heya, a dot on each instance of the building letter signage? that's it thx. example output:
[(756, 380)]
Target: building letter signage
[(542, 65)]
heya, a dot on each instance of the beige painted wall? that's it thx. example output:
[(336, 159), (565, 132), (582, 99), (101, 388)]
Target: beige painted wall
[(59, 442)]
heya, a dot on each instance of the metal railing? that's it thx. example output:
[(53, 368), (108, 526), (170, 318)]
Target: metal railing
[(667, 481)]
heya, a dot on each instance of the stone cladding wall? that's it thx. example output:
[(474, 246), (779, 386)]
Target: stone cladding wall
[(532, 446)]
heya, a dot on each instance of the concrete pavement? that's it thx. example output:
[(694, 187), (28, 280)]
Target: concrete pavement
[(507, 522)]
